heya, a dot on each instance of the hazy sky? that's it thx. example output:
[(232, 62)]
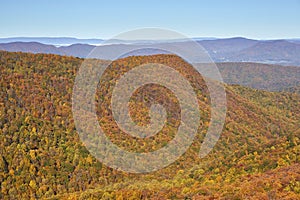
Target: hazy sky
[(194, 18)]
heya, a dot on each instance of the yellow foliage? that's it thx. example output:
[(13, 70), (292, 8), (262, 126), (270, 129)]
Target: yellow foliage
[(32, 184)]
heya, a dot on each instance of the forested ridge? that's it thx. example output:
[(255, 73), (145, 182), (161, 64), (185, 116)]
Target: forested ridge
[(41, 155)]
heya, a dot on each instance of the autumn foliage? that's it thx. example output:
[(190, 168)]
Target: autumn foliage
[(41, 155)]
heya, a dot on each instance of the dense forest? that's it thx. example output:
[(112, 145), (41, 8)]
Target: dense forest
[(42, 156)]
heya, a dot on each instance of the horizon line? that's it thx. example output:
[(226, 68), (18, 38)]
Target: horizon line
[(105, 39)]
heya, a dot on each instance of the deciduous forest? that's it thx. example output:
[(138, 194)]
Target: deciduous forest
[(42, 156)]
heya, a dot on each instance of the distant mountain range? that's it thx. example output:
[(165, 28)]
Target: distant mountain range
[(57, 41), (64, 41), (283, 52)]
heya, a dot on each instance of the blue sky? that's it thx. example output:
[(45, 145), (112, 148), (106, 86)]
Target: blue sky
[(262, 19)]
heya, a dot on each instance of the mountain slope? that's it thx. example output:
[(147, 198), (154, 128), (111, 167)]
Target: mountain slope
[(261, 76), (43, 157)]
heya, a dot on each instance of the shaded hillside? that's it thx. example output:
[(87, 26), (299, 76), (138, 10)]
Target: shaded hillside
[(261, 76), (42, 155)]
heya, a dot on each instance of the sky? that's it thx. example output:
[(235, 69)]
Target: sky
[(257, 19)]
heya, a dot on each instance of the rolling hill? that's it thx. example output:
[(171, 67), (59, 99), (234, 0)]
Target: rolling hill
[(31, 47)]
